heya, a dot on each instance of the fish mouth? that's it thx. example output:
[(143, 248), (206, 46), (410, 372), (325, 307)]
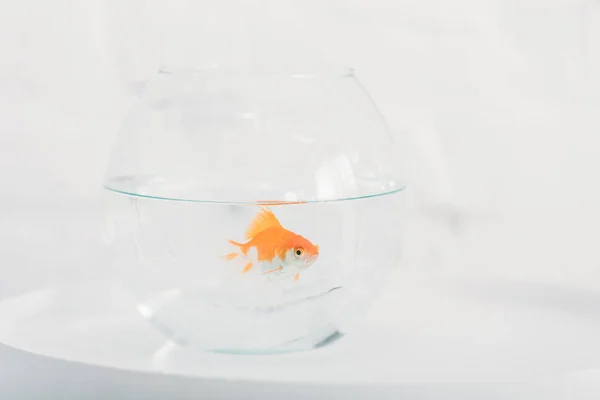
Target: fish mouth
[(311, 259)]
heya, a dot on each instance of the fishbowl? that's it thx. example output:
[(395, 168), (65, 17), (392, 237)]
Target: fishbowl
[(254, 211)]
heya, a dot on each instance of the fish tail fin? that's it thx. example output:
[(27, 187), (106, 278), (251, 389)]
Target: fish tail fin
[(243, 246)]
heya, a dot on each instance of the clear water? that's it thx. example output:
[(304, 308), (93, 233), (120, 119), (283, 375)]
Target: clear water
[(169, 253)]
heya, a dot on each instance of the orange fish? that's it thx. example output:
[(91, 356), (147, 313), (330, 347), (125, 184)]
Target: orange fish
[(274, 247)]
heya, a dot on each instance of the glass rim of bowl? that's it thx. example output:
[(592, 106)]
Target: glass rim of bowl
[(395, 187), (265, 203)]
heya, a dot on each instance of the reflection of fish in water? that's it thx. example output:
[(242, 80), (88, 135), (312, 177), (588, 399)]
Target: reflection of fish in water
[(275, 245), (279, 202)]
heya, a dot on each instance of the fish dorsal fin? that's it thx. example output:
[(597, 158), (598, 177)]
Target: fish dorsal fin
[(263, 221)]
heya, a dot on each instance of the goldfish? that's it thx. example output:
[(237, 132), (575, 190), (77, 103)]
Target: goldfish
[(275, 247)]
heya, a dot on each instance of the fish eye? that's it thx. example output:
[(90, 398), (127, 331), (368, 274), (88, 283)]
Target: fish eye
[(299, 252)]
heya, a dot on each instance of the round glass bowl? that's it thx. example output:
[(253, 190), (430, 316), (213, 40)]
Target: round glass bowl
[(254, 212)]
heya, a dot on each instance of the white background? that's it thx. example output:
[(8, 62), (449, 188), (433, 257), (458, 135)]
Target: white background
[(495, 103)]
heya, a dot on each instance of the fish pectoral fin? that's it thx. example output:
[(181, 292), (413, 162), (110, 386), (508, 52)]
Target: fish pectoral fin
[(230, 256), (273, 270), (247, 267), (296, 277)]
